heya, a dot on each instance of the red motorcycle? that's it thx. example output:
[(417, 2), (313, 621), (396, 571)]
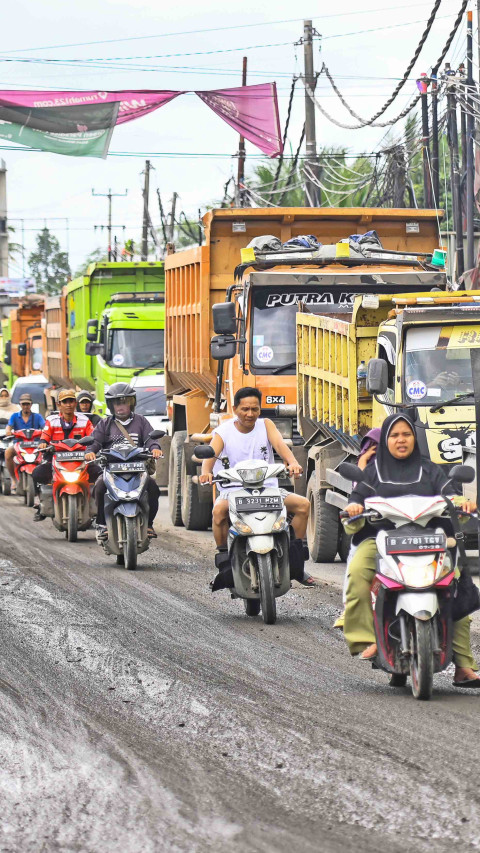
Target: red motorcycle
[(27, 457), (68, 501)]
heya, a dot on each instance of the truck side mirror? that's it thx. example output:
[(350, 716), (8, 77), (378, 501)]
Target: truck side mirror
[(7, 355), (223, 347), (93, 348), (22, 349), (92, 330), (224, 318), (377, 376)]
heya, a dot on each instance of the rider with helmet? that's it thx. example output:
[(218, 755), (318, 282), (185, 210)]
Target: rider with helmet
[(61, 425), (85, 400), (123, 425)]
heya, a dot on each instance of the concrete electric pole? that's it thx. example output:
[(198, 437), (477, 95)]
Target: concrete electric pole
[(110, 195), (312, 191)]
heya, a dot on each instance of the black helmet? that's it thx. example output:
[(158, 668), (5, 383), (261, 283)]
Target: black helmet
[(86, 395), (120, 390)]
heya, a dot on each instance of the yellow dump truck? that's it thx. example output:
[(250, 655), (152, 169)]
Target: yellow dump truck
[(417, 351)]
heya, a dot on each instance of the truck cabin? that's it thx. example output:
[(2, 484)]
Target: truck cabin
[(125, 339)]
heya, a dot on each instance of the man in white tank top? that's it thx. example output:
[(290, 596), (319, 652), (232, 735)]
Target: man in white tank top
[(248, 436)]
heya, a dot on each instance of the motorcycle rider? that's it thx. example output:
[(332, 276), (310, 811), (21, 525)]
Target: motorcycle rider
[(61, 425), (85, 400), (248, 436), (19, 420), (121, 400), (398, 469)]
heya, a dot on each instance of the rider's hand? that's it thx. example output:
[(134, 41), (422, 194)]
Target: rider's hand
[(157, 453), (364, 458), (43, 445), (89, 457), (205, 478), (294, 470), (354, 509)]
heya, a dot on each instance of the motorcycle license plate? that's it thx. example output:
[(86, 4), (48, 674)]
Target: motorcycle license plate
[(251, 503), (417, 543), (126, 467), (70, 457)]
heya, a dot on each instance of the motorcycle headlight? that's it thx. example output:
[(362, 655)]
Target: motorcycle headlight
[(29, 457), (252, 475), (279, 524), (70, 476), (241, 527)]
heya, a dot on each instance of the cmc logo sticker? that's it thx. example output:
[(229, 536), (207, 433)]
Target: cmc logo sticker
[(416, 390), (264, 355)]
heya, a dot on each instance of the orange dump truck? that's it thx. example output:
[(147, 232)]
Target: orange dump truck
[(253, 327), (55, 341), (23, 352)]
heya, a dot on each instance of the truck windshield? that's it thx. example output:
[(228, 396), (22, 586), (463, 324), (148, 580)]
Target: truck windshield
[(273, 331), (151, 401), (437, 362), (136, 347)]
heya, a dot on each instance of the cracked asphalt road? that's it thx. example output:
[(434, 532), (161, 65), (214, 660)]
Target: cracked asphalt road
[(139, 712)]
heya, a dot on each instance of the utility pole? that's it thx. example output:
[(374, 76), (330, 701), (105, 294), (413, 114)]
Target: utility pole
[(312, 192), (162, 218), (455, 168), (422, 85), (435, 158), (241, 150), (172, 218), (146, 217), (109, 195), (470, 159)]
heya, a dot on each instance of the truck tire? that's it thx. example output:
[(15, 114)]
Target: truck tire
[(322, 527), (175, 478), (195, 515)]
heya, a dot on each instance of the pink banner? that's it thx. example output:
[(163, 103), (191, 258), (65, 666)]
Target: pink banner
[(252, 111), (131, 104)]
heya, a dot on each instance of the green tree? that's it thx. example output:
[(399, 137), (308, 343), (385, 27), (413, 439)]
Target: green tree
[(49, 266), (98, 256)]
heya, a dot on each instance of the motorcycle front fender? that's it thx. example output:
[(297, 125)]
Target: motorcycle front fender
[(70, 489), (260, 544), (422, 605), (128, 508)]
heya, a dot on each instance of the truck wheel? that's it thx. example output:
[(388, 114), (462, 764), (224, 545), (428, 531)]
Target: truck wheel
[(252, 606), (175, 478), (7, 486), (322, 528), (195, 515)]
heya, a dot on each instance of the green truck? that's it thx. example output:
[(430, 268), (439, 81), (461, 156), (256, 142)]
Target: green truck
[(115, 318)]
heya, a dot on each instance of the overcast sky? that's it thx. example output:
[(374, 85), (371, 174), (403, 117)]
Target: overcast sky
[(366, 65)]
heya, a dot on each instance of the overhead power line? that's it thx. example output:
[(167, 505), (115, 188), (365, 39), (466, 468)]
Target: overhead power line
[(210, 29), (407, 109)]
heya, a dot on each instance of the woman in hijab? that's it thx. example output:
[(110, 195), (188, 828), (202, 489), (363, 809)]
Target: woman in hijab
[(7, 408), (398, 469)]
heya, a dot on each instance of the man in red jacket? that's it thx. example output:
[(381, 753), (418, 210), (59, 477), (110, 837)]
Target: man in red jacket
[(64, 424)]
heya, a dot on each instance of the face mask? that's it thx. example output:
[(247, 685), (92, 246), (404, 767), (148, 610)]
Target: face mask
[(4, 401), (125, 422)]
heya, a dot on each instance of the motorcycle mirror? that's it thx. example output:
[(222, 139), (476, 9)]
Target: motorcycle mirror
[(462, 474), (204, 451), (350, 472), (156, 433), (87, 440)]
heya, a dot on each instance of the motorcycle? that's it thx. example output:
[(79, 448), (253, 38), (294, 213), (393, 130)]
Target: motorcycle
[(5, 479), (414, 584), (27, 457), (258, 537), (68, 501), (126, 499)]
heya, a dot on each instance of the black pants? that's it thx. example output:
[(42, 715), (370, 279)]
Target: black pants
[(43, 473), (153, 493)]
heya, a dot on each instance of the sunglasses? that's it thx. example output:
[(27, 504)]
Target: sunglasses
[(26, 403)]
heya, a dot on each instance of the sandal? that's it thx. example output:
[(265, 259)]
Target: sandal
[(370, 653), (151, 533), (308, 581)]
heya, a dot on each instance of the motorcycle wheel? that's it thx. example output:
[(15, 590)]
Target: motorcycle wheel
[(130, 546), (72, 521), (267, 589), (252, 606), (421, 660), (30, 491), (24, 487)]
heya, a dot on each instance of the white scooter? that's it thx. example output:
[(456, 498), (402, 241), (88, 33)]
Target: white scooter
[(258, 538), (414, 585)]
